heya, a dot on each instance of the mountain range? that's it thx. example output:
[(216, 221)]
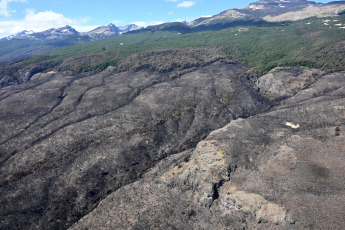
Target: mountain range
[(275, 11), (28, 43), (235, 121), (67, 31)]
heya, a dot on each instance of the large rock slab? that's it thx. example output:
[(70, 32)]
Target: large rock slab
[(282, 83)]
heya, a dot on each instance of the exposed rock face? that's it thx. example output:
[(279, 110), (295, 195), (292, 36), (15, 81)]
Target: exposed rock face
[(54, 33), (19, 35), (128, 28), (254, 173), (69, 141), (103, 32), (274, 11), (330, 10), (286, 82)]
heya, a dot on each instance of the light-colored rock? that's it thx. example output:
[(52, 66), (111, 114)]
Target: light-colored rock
[(310, 11), (256, 205), (286, 82)]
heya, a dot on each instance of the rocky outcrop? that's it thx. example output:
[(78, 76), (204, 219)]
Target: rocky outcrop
[(128, 28), (54, 33), (286, 82), (273, 12), (103, 32), (329, 10)]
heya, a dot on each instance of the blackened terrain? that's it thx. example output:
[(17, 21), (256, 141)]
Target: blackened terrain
[(281, 169), (69, 141)]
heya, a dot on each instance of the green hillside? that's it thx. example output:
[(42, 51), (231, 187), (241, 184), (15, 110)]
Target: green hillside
[(309, 43)]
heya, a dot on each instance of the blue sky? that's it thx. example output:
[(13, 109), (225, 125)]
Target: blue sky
[(39, 15)]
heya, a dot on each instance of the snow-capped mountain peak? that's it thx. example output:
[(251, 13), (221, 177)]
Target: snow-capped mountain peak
[(19, 35), (67, 31)]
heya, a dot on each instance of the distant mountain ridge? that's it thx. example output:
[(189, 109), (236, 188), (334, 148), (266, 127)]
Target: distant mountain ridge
[(128, 28), (68, 31), (274, 11), (51, 34), (19, 35), (109, 31), (262, 12), (28, 43)]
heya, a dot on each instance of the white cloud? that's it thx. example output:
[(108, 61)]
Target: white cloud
[(172, 0), (47, 19), (4, 8), (41, 21), (205, 16), (145, 24), (186, 4), (170, 13)]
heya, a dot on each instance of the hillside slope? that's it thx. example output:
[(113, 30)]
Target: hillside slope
[(282, 169), (68, 141)]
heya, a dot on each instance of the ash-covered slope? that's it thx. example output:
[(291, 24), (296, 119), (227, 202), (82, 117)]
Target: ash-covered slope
[(136, 141), (69, 141), (282, 169)]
